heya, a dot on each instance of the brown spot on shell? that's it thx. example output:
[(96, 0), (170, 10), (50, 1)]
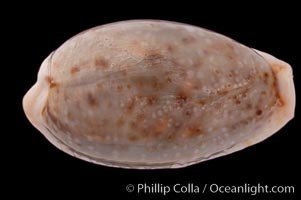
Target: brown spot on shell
[(216, 71), (160, 126), (49, 79), (192, 131), (237, 101), (119, 88), (266, 75), (95, 137), (157, 85), (101, 63), (74, 70), (245, 93), (266, 78), (169, 80), (223, 91), (51, 82), (170, 48), (151, 100), (130, 105), (171, 136), (132, 137), (153, 56), (182, 97), (99, 85), (258, 112), (188, 113), (120, 122), (92, 101), (156, 129), (188, 40), (201, 102), (230, 56)]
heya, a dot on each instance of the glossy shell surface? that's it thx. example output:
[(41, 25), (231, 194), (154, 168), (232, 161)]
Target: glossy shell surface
[(158, 94)]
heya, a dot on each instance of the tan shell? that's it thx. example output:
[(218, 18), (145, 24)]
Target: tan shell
[(158, 94)]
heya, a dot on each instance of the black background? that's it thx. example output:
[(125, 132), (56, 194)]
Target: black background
[(36, 166)]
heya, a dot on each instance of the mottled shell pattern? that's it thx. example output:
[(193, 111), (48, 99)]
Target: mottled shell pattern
[(158, 94)]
